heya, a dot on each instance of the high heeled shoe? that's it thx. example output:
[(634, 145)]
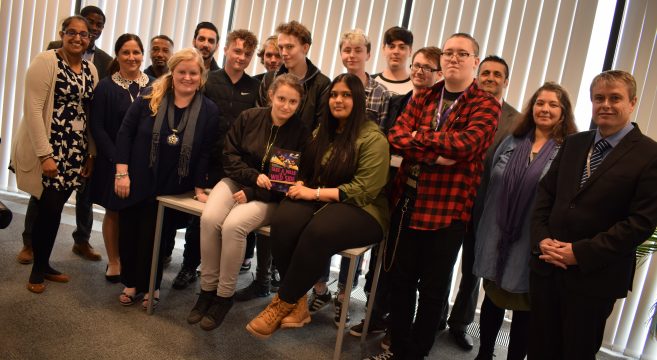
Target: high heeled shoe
[(114, 279)]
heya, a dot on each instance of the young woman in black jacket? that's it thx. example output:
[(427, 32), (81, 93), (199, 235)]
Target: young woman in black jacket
[(244, 200)]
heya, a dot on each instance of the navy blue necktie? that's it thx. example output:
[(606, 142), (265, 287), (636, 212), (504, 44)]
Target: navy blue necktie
[(595, 160)]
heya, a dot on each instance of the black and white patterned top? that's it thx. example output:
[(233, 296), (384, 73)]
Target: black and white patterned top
[(73, 93)]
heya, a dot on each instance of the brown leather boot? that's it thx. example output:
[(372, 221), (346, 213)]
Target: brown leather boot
[(269, 320), (86, 251), (299, 317), (25, 256)]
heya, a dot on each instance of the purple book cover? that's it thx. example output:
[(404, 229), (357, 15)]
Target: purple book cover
[(283, 169)]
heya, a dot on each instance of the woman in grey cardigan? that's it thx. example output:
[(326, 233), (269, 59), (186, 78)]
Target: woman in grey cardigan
[(53, 149), (502, 236)]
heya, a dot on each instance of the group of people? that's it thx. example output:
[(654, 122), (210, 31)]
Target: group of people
[(428, 156)]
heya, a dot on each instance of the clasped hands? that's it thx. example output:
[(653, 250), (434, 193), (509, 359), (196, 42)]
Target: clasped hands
[(557, 253)]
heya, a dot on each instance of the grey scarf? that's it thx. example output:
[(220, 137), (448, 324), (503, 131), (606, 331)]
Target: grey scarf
[(189, 120)]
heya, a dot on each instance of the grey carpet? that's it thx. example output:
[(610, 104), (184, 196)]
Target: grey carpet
[(83, 319)]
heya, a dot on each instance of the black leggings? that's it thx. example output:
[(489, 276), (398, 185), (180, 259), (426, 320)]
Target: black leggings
[(305, 234), (44, 230), (491, 321)]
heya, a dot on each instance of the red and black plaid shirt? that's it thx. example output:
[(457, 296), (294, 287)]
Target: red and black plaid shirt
[(444, 193)]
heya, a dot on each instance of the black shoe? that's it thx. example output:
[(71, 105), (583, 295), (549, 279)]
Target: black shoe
[(254, 290), (376, 327), (114, 279), (217, 312), (185, 277), (275, 281), (205, 299), (462, 339)]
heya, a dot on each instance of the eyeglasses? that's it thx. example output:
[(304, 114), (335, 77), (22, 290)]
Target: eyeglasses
[(423, 68), (460, 55), (73, 33)]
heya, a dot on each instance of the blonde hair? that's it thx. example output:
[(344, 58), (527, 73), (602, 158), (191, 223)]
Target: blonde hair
[(165, 82), (356, 37)]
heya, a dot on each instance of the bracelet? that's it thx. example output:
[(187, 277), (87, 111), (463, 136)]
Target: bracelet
[(121, 175), (317, 194), (45, 157)]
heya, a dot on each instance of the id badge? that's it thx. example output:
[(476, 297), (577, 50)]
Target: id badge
[(78, 125)]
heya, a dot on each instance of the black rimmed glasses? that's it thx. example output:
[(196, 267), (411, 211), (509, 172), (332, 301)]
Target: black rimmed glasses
[(460, 55), (73, 33), (423, 68)]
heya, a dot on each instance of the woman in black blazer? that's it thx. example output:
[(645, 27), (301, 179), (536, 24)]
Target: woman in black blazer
[(163, 148)]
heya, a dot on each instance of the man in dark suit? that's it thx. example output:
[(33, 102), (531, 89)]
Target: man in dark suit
[(83, 213), (493, 77), (593, 208)]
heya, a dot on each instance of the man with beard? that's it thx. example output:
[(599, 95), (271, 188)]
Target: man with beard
[(161, 51), (206, 40)]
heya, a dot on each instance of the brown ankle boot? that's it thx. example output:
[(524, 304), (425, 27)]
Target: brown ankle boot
[(86, 251), (299, 317), (25, 256), (269, 320)]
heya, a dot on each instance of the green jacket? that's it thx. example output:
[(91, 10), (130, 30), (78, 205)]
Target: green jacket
[(366, 188)]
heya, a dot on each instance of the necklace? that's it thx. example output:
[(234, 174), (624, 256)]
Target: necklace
[(174, 139), (268, 147)]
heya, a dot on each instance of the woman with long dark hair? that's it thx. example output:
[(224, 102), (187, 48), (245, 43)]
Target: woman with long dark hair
[(502, 246), (162, 149), (53, 151), (338, 204), (112, 98)]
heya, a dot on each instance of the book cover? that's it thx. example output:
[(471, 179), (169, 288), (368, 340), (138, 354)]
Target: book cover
[(283, 169)]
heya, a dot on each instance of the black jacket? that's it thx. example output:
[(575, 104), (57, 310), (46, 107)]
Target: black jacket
[(316, 88), (245, 148), (231, 99)]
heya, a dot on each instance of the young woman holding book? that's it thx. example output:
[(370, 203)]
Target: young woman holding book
[(246, 199), (338, 204)]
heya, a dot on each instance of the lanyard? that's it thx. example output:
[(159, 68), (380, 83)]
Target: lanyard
[(439, 112)]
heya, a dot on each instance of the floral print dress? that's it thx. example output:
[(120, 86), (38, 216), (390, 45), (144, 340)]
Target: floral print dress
[(68, 129)]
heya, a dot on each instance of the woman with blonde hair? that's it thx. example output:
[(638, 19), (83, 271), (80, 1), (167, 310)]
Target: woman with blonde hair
[(162, 149)]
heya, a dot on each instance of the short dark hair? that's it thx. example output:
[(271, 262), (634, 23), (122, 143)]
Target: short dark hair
[(297, 30), (497, 59), (398, 33), (430, 52), (250, 40), (475, 44), (162, 37), (92, 10), (566, 124), (206, 25)]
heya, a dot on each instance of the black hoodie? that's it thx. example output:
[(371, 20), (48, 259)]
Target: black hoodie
[(313, 103)]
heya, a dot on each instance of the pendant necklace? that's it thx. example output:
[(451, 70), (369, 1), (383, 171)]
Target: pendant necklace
[(174, 139), (268, 147)]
